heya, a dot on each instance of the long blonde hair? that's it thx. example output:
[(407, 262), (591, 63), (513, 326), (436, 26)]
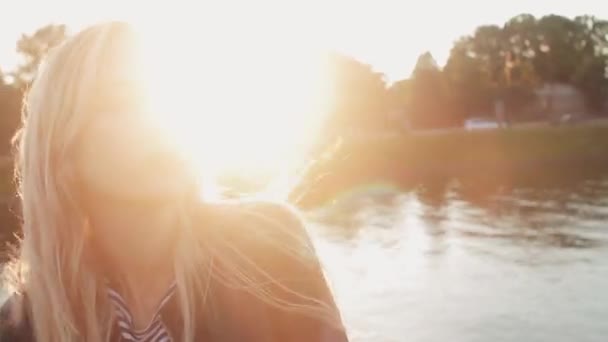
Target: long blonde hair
[(65, 294)]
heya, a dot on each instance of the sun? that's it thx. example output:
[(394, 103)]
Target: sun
[(238, 109)]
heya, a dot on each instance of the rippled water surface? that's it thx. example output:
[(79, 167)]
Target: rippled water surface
[(451, 262), (473, 262)]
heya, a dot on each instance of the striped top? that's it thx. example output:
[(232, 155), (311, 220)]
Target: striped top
[(156, 331)]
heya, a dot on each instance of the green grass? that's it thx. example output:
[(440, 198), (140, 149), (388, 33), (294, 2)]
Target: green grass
[(506, 146), (534, 154)]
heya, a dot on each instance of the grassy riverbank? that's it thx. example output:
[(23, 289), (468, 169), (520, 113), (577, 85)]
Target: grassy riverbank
[(502, 155), (505, 146)]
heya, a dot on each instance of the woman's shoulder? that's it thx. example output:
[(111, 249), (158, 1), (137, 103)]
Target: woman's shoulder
[(14, 323), (262, 238), (283, 278)]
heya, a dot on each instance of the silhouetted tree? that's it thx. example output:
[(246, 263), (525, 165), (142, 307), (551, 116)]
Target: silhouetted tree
[(493, 64), (591, 74), (429, 98), (399, 94), (470, 81), (359, 95)]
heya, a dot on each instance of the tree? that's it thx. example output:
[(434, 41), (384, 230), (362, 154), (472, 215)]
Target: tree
[(428, 105), (591, 75), (33, 48), (399, 94), (510, 62), (359, 95), (469, 79), (559, 48)]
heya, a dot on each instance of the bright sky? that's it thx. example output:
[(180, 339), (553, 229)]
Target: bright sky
[(387, 34)]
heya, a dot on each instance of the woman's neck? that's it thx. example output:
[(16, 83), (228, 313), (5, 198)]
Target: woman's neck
[(144, 295), (137, 254), (132, 238)]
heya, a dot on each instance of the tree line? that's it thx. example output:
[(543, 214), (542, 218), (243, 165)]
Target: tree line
[(505, 63)]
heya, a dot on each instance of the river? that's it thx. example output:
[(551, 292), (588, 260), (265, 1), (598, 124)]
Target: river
[(450, 262), (469, 262)]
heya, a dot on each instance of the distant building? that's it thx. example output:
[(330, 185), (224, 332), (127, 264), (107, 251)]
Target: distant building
[(557, 99)]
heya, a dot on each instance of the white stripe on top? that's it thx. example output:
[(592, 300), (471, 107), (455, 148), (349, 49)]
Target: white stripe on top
[(156, 331)]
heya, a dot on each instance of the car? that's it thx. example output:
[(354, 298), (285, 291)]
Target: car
[(480, 123)]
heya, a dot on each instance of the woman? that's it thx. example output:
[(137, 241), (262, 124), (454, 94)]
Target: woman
[(117, 245)]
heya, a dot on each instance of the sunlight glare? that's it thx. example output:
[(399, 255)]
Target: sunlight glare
[(234, 110)]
